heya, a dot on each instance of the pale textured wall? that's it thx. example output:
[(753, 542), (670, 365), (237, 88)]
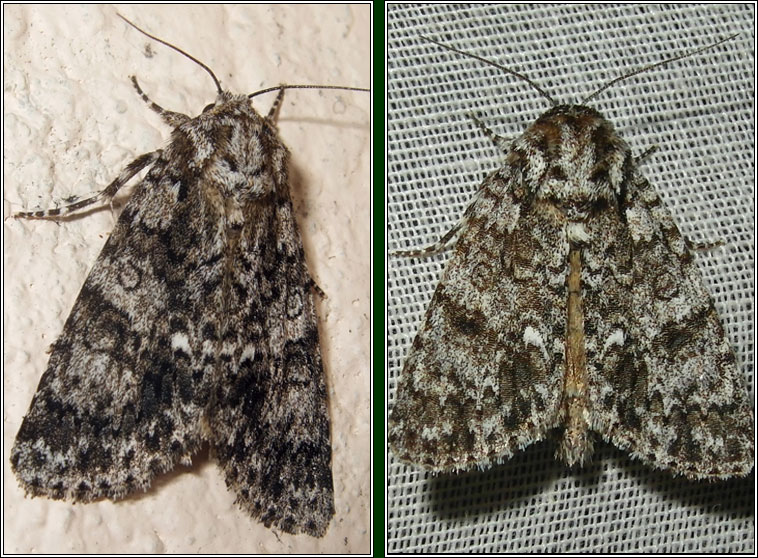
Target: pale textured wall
[(72, 122)]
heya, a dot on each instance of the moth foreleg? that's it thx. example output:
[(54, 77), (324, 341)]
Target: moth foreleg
[(131, 169)]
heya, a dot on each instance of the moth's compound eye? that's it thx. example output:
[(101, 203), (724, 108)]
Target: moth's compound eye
[(209, 107)]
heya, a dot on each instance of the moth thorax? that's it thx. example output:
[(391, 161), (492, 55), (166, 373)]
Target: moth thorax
[(576, 158)]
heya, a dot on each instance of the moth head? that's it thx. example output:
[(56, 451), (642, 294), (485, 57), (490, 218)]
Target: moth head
[(221, 99)]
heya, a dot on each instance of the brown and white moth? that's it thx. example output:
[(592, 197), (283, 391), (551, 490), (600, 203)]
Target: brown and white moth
[(196, 324), (572, 303)]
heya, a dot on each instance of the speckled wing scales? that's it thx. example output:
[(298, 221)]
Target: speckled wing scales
[(278, 458), (484, 377), (663, 382), (122, 395)]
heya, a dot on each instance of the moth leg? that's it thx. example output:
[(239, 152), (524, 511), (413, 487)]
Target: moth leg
[(445, 242), (691, 244), (501, 142), (276, 105), (702, 246), (318, 290), (171, 118), (645, 155), (131, 169), (442, 244), (699, 246)]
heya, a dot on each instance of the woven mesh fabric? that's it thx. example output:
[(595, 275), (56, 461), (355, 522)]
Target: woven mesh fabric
[(699, 111)]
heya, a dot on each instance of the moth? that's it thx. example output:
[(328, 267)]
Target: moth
[(196, 324), (571, 307)]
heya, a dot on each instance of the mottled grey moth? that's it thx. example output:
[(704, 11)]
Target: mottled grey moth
[(572, 304), (196, 324)]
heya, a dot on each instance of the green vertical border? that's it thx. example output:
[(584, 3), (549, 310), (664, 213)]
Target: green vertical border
[(379, 274)]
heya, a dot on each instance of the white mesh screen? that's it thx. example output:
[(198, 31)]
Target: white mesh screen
[(699, 111)]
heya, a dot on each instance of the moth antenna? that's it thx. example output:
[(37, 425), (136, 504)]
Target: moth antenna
[(177, 49), (651, 66), (279, 87), (496, 65)]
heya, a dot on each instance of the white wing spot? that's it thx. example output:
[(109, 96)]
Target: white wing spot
[(615, 338), (180, 342), (248, 353), (533, 337)]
